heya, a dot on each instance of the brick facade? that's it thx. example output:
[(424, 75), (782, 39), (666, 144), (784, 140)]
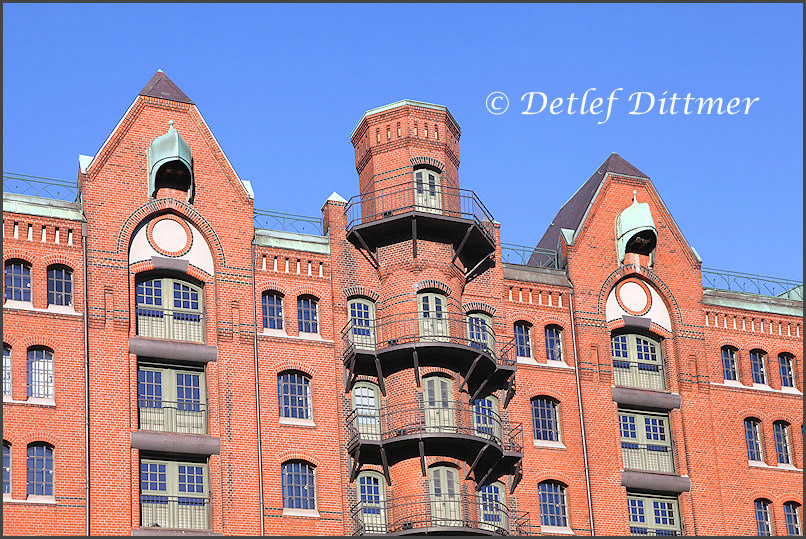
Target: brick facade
[(401, 240)]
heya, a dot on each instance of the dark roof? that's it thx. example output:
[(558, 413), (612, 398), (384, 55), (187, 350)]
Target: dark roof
[(162, 87), (570, 215)]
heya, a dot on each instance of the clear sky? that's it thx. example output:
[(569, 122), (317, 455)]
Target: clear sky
[(282, 87)]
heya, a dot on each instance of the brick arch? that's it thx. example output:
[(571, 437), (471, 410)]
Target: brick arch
[(553, 321), (193, 271), (437, 371), (760, 493), (433, 284), (297, 455), (306, 290), (269, 286), (59, 258), (779, 416), (478, 306), (783, 350), (429, 161), (10, 340), (156, 207), (292, 365), (18, 254), (746, 413), (554, 476), (45, 436), (728, 341), (38, 340), (646, 275), (544, 392), (513, 319), (618, 323), (359, 290)]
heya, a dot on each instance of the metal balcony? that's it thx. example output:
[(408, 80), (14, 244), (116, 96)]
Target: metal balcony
[(653, 458), (170, 324), (177, 512), (644, 375), (391, 434), (402, 341), (459, 514), (444, 214), (165, 416)]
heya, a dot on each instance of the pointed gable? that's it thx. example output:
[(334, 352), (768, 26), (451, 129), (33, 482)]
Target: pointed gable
[(160, 86), (571, 214)]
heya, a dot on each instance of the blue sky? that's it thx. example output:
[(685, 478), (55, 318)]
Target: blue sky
[(283, 86)]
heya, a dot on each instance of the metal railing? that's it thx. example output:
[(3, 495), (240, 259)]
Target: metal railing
[(647, 457), (403, 328), (399, 199), (452, 417), (22, 184), (185, 512), (172, 324), (752, 284), (639, 374), (184, 417), (528, 256), (638, 530), (288, 222), (410, 513)]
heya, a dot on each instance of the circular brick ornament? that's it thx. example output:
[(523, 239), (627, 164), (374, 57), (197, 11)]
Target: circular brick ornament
[(169, 235), (633, 296)]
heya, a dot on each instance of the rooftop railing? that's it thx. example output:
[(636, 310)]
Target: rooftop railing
[(528, 256), (22, 184), (449, 418), (408, 514), (752, 284), (396, 200), (288, 222)]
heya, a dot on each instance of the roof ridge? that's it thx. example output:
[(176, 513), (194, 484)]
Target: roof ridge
[(161, 87)]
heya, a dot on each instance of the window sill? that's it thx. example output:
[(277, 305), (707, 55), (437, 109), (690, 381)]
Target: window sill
[(52, 309), (558, 364), (548, 444), (790, 467), (294, 422), (793, 390), (526, 360), (274, 332), (556, 530), (44, 500), (309, 513), (734, 383), (40, 401)]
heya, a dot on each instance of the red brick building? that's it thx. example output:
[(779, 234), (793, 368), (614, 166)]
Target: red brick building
[(174, 363)]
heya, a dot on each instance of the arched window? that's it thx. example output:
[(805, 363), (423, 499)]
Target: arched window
[(366, 408), (763, 522), (493, 507), (554, 343), (362, 323), (170, 308), (783, 448), (40, 469), (553, 512), (308, 314), (6, 467), (60, 285), (18, 280), (758, 367), (752, 434), (427, 193), (729, 363), (637, 362), (273, 311), (440, 411), (480, 331), (299, 485), (294, 395), (545, 422), (486, 421), (372, 495), (40, 373), (6, 370), (792, 518), (446, 503), (523, 340), (785, 366), (433, 318)]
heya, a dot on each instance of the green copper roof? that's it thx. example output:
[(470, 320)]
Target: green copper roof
[(42, 207), (636, 218), (293, 240), (164, 149), (402, 103)]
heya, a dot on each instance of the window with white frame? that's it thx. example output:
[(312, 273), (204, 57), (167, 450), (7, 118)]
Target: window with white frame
[(752, 434), (6, 370), (174, 494), (545, 421), (637, 362), (308, 314), (6, 467), (653, 515), (299, 485), (486, 421), (757, 366), (492, 507), (40, 373), (294, 395), (17, 280), (60, 286), (553, 509), (367, 410), (729, 364), (172, 399), (40, 469), (169, 308), (480, 331), (785, 367), (646, 443), (783, 449), (523, 340), (273, 311), (362, 323), (372, 495), (763, 521), (792, 518), (554, 344)]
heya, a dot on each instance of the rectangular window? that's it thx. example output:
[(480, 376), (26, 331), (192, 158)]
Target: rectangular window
[(653, 515), (294, 395), (551, 497), (523, 345), (40, 373), (40, 470), (6, 469), (554, 350), (782, 449), (763, 525), (757, 367), (752, 433), (637, 362), (729, 364), (172, 400), (6, 371), (792, 518), (272, 311), (18, 281), (785, 366), (646, 442), (299, 485), (307, 315), (544, 419), (60, 286), (174, 495)]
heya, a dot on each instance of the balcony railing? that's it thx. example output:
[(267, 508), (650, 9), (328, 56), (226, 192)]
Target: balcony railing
[(405, 328), (647, 457), (396, 200), (288, 222), (172, 324), (639, 374), (409, 514), (528, 256), (638, 530), (752, 284), (449, 418), (22, 184), (184, 512), (166, 416)]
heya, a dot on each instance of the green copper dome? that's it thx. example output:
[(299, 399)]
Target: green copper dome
[(170, 163), (635, 229)]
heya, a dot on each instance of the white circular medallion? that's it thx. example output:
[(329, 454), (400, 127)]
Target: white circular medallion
[(169, 235)]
